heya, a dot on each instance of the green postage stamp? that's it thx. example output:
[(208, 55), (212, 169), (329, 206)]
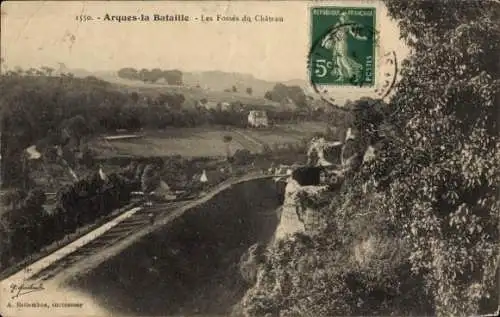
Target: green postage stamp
[(343, 46)]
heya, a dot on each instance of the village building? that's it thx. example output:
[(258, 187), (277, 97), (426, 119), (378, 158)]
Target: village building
[(215, 105), (225, 106), (258, 118)]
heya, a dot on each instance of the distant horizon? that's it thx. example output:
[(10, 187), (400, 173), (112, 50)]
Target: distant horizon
[(174, 68), (344, 93), (45, 33)]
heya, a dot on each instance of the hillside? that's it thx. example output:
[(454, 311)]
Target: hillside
[(215, 86), (191, 93), (217, 80), (211, 85)]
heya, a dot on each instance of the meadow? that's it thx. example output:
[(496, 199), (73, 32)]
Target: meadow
[(204, 141), (286, 133), (187, 142)]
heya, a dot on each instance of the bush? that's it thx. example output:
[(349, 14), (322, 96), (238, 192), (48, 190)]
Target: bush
[(243, 157)]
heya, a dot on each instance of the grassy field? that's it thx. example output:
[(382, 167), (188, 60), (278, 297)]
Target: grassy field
[(286, 133), (204, 141), (187, 142)]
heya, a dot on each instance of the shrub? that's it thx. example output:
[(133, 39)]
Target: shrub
[(243, 157)]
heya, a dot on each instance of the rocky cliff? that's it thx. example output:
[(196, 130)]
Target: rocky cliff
[(295, 215)]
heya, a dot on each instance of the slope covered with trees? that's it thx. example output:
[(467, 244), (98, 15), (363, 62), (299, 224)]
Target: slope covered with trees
[(415, 231)]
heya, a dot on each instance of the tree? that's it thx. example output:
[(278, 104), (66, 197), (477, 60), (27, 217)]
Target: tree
[(365, 116), (173, 77), (298, 96), (47, 70), (134, 96), (242, 157), (76, 127), (249, 90), (144, 75), (150, 179), (234, 89), (87, 158), (13, 198), (35, 198), (175, 101), (128, 73), (431, 194), (18, 70), (155, 75), (284, 93), (443, 189), (31, 71), (227, 140), (268, 95)]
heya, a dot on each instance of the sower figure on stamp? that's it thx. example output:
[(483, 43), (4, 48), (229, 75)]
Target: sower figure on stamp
[(345, 66)]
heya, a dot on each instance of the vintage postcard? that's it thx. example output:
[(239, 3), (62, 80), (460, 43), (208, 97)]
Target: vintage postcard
[(249, 158)]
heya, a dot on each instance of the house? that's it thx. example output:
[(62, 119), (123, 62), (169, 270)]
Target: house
[(225, 106), (215, 105), (258, 118)]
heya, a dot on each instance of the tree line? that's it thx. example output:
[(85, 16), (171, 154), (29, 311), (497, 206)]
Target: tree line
[(26, 227), (172, 77)]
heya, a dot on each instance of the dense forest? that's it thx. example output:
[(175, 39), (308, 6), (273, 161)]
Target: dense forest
[(415, 231)]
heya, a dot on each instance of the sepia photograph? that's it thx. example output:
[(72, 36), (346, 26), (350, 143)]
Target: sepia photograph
[(250, 158)]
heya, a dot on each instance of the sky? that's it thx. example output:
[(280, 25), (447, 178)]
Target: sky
[(44, 33)]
